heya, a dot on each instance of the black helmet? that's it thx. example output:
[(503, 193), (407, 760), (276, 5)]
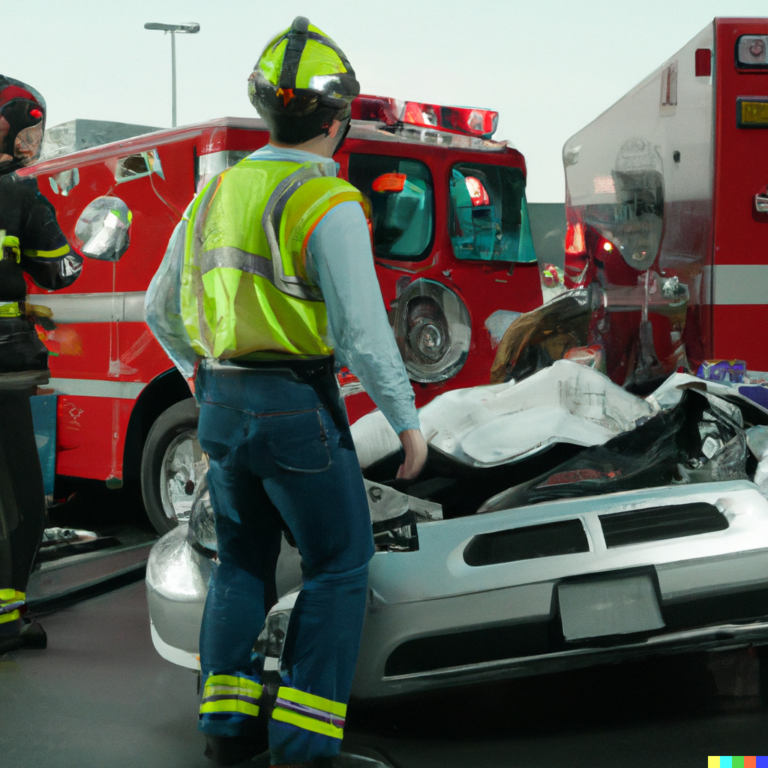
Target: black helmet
[(301, 83), (22, 124)]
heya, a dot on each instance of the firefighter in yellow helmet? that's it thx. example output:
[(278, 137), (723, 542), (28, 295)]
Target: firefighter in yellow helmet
[(267, 282)]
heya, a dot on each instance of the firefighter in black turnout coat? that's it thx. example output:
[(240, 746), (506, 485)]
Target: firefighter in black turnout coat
[(31, 242)]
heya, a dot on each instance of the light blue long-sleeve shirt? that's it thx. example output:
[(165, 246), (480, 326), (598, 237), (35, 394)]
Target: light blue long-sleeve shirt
[(340, 261)]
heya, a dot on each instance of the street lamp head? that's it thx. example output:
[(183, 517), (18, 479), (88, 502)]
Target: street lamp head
[(189, 27)]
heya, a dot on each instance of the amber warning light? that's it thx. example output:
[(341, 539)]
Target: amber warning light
[(469, 121), (752, 112)]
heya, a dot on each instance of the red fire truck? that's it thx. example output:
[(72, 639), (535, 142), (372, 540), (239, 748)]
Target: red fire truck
[(453, 254), (667, 207)]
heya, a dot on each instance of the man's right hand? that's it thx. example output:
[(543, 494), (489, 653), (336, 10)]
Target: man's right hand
[(415, 447)]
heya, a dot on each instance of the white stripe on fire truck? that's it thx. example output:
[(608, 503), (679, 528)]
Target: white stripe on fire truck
[(123, 390), (94, 307), (740, 284)]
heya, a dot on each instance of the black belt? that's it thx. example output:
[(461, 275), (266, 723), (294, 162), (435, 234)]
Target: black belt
[(318, 372)]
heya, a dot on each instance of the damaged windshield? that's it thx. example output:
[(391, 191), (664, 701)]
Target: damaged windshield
[(489, 214)]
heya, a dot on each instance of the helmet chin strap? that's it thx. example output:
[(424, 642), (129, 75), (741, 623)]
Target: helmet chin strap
[(342, 134)]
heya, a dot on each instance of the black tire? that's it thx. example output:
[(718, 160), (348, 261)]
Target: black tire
[(173, 433)]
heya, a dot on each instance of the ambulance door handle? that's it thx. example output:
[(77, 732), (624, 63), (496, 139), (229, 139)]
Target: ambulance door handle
[(761, 203)]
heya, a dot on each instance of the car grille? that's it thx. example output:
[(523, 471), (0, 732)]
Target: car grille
[(562, 538), (657, 523)]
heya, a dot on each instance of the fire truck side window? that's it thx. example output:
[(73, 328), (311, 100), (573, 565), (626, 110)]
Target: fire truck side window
[(488, 214), (138, 165), (402, 204)]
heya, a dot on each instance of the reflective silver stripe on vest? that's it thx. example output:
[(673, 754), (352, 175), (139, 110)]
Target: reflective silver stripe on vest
[(230, 257), (740, 284), (289, 284), (122, 390)]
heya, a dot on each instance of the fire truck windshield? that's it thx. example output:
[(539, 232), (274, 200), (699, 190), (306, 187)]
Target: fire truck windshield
[(488, 214), (403, 213)]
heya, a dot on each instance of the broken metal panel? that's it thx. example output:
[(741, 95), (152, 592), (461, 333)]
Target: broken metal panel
[(79, 134)]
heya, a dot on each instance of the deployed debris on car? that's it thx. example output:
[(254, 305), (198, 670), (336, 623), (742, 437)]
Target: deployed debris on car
[(567, 431)]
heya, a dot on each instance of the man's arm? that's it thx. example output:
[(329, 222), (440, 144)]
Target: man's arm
[(162, 306), (342, 261), (45, 253)]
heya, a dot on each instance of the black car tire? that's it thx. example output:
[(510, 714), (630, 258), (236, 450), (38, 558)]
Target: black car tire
[(175, 424)]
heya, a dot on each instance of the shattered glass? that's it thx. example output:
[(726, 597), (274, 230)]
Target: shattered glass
[(698, 440), (64, 182)]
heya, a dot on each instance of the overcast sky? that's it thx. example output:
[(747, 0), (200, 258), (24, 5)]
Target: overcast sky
[(548, 66)]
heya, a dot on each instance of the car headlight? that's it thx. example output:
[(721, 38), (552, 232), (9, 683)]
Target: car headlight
[(433, 331), (272, 636), (202, 530)]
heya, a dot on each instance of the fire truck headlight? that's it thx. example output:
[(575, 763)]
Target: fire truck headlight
[(433, 331)]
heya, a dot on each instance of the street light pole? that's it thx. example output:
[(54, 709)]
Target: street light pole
[(189, 28), (173, 77)]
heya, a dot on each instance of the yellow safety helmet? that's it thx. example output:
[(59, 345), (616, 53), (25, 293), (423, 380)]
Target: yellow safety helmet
[(301, 83)]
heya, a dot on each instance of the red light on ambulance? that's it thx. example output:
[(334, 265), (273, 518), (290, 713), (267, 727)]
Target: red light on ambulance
[(575, 243)]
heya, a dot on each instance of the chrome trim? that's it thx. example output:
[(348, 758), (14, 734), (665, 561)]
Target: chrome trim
[(93, 307), (122, 390)]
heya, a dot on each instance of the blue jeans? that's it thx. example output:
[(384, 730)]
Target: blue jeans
[(276, 452)]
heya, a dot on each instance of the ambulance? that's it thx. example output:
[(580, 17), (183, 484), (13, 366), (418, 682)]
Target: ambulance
[(667, 208), (453, 253)]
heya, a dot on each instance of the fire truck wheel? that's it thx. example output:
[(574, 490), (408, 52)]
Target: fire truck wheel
[(172, 466)]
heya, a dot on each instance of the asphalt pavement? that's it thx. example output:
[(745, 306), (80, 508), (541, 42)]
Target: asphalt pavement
[(100, 696)]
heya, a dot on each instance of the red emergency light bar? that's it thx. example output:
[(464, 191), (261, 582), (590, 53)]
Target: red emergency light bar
[(468, 121)]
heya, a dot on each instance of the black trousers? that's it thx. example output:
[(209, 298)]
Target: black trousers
[(22, 494)]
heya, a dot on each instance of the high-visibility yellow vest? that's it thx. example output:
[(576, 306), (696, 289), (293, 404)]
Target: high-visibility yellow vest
[(244, 285)]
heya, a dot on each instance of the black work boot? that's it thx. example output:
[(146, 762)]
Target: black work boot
[(233, 750), (31, 636)]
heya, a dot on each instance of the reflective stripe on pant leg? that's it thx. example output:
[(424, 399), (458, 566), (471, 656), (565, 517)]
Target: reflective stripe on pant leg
[(310, 712), (11, 600), (231, 695)]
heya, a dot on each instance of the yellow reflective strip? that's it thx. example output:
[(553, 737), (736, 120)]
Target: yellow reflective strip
[(10, 310), (236, 682), (310, 700), (63, 251), (307, 723), (12, 616), (12, 594), (230, 705)]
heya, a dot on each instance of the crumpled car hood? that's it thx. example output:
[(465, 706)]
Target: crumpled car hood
[(505, 423)]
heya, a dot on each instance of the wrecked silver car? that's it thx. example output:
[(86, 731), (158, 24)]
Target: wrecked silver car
[(560, 522)]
